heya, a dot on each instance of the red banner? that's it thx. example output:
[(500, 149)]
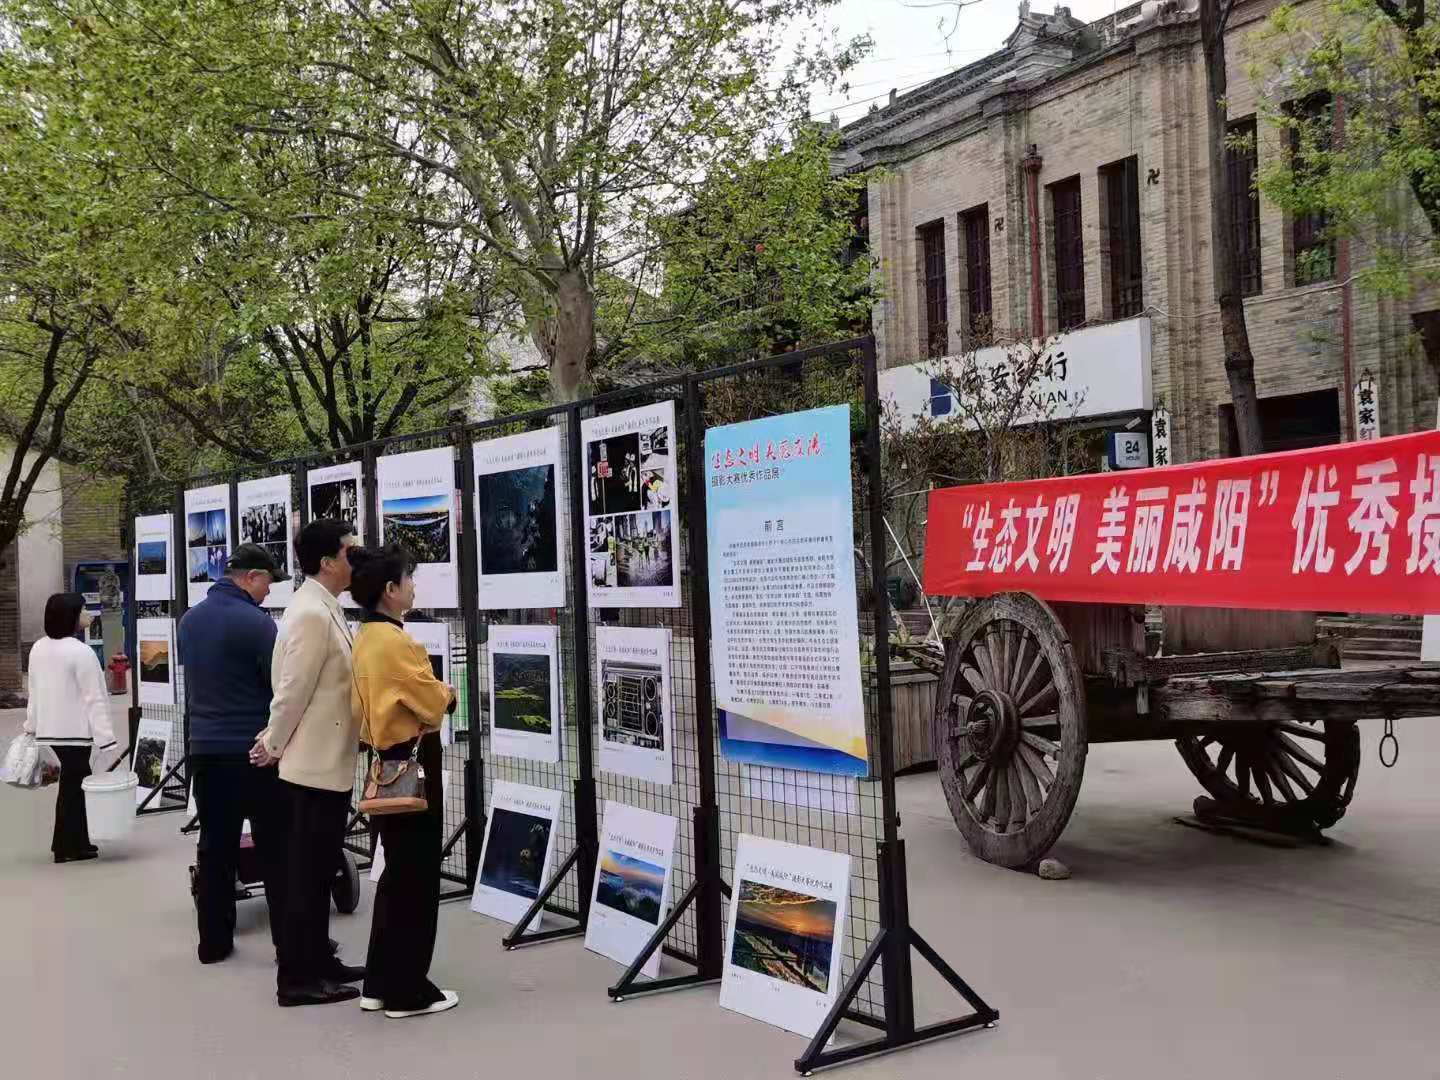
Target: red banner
[(1354, 527)]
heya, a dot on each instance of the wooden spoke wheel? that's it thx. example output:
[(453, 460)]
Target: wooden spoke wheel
[(1009, 729), (1289, 775)]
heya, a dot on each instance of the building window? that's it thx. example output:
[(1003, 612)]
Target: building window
[(1121, 182), (932, 270), (1312, 248), (1069, 254), (1241, 164), (976, 226)]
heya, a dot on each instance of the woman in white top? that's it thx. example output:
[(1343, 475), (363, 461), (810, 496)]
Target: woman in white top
[(69, 712)]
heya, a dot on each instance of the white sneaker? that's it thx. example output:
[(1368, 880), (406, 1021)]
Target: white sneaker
[(449, 1001), (371, 1004)]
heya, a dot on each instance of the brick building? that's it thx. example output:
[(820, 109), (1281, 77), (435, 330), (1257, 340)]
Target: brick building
[(1062, 183), (71, 517)]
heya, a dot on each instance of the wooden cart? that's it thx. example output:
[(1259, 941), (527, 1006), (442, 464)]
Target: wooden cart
[(1027, 688)]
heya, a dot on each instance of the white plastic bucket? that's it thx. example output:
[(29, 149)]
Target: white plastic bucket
[(110, 804)]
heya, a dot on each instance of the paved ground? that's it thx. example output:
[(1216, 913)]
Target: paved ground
[(1171, 954)]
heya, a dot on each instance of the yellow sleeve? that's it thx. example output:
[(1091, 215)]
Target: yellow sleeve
[(423, 694)]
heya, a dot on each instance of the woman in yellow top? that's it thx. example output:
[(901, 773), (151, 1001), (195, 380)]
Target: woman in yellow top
[(399, 700)]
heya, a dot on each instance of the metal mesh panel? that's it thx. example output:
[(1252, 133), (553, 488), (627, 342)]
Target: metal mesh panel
[(855, 825), (567, 898), (176, 792), (683, 795)]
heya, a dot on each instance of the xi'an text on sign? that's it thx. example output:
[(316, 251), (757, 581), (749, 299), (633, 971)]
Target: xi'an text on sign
[(1354, 527)]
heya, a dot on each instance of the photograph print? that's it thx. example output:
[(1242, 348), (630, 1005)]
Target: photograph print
[(267, 524), (631, 890), (631, 886), (215, 531), (633, 691), (336, 499), (517, 521), (522, 693), (784, 934), (522, 664), (150, 557), (195, 530), (602, 552), (613, 473), (150, 761), (516, 856), (198, 564), (155, 660), (514, 860), (421, 524), (643, 551)]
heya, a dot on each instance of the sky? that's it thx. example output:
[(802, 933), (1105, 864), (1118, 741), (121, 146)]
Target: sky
[(911, 48)]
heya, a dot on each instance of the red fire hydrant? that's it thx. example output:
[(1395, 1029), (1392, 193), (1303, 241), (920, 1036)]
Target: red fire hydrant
[(118, 673)]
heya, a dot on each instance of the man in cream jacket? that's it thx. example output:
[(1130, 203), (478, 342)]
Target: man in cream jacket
[(314, 738)]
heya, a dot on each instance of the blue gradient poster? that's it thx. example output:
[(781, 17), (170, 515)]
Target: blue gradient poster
[(786, 647)]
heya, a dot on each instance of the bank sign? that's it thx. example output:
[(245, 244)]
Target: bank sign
[(1097, 371)]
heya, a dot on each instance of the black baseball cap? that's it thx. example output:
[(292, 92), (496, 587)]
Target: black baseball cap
[(255, 557)]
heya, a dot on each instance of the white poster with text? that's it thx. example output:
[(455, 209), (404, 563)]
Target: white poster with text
[(417, 510), (264, 511), (525, 692), (207, 538), (786, 931), (152, 746), (153, 537), (632, 884), (519, 850), (783, 617), (517, 519), (636, 725), (631, 518), (156, 670)]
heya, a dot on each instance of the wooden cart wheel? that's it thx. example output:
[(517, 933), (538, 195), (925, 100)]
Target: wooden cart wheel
[(1009, 729), (1290, 774)]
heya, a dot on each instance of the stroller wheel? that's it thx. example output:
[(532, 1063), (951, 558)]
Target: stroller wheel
[(346, 888)]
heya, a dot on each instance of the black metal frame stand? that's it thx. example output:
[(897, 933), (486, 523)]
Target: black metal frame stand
[(891, 948), (584, 856)]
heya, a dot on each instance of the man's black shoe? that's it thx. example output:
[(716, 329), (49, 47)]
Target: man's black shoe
[(339, 971), (214, 956), (83, 856), (321, 993)]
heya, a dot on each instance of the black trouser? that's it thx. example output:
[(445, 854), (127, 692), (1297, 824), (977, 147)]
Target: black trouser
[(72, 829), (228, 790), (317, 836), (407, 900)]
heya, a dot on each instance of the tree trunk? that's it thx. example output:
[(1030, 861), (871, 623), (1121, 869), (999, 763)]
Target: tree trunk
[(1239, 360), (567, 335)]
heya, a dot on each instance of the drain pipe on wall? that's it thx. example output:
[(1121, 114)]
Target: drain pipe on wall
[(1031, 164), (1347, 311)]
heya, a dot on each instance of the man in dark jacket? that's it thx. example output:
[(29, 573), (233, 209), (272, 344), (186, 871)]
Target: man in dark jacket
[(225, 645)]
